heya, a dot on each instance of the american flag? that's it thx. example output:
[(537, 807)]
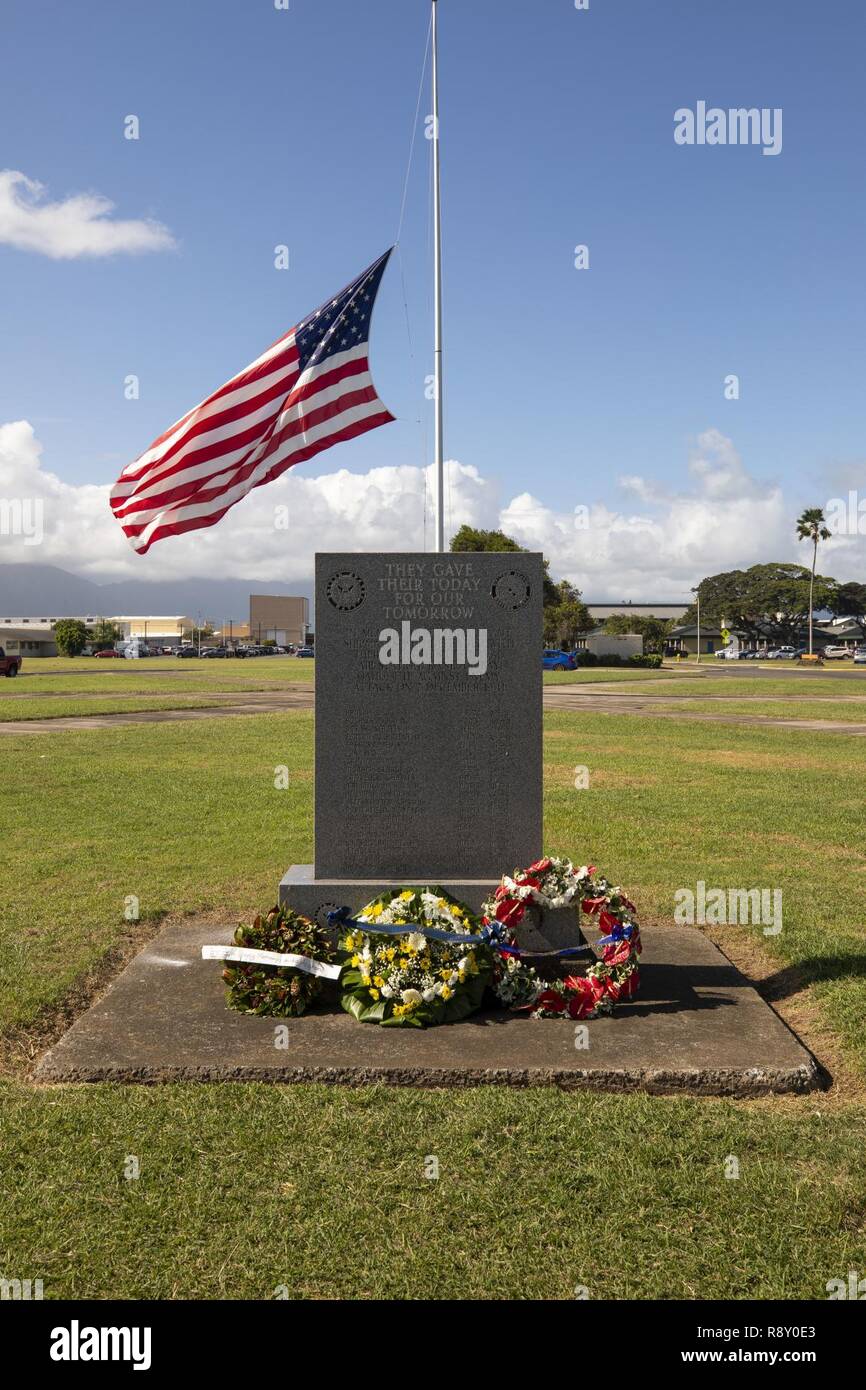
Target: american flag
[(310, 390)]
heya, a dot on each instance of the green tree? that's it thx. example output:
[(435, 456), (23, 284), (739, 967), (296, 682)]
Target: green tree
[(849, 601), (812, 527), (765, 601), (565, 622), (470, 538), (104, 633), (70, 634), (653, 630)]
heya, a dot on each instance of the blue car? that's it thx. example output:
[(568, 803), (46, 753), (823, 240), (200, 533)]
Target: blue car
[(556, 660)]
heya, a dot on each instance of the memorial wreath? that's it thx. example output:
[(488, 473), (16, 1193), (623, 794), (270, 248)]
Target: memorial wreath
[(416, 957), (268, 971), (555, 883)]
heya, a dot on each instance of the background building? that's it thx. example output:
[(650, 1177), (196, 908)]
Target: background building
[(27, 638), (163, 631), (600, 611), (279, 618), (603, 643)]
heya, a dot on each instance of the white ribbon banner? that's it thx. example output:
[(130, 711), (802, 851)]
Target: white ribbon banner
[(246, 955)]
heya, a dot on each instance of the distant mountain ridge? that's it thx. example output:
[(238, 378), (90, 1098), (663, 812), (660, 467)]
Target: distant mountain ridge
[(42, 591)]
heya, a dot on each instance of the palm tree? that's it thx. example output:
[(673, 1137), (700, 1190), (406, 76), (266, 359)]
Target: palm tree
[(811, 527)]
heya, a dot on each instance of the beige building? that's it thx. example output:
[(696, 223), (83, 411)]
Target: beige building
[(27, 639), (155, 628), (279, 618), (603, 643)]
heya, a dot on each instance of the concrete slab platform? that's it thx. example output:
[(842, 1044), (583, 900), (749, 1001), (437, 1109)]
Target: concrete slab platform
[(696, 1026)]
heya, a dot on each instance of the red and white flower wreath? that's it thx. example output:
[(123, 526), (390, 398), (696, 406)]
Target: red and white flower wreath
[(555, 883)]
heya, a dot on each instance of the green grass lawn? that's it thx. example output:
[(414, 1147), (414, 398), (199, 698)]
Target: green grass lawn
[(839, 711), (64, 706), (244, 1188), (156, 677)]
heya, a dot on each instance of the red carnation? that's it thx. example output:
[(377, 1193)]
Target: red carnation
[(541, 866), (616, 952), (614, 990), (598, 986), (582, 1002), (510, 911), (551, 1000), (628, 987)]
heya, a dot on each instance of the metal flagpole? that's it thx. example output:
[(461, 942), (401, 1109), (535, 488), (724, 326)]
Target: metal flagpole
[(437, 287)]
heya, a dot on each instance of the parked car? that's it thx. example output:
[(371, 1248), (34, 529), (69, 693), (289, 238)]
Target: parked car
[(215, 652), (186, 651), (860, 656), (9, 665), (782, 654), (836, 653), (305, 651), (556, 660), (109, 652)]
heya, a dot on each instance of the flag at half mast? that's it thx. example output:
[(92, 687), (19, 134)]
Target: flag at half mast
[(310, 390)]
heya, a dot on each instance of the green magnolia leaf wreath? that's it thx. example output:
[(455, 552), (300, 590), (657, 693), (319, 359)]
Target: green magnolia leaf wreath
[(278, 991)]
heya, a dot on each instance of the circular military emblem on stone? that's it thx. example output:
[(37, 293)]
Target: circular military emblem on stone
[(511, 589), (346, 591), (322, 914)]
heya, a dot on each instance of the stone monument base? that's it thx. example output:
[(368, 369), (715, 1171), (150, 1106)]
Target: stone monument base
[(696, 1025), (316, 897)]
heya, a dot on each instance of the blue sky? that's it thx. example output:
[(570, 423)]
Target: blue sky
[(261, 127)]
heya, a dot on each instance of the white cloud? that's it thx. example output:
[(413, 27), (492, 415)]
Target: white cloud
[(729, 520), (78, 226), (381, 509)]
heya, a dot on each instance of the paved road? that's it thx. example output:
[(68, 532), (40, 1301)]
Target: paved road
[(559, 697), (298, 697), (556, 697)]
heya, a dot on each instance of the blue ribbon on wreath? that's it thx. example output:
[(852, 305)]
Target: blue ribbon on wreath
[(492, 934), (624, 931), (343, 918)]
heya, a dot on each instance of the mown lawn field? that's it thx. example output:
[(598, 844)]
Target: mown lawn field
[(247, 1188)]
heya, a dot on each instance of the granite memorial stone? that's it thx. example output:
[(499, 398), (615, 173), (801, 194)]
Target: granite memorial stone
[(428, 724)]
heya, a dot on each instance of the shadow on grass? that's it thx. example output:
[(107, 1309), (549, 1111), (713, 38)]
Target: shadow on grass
[(793, 979)]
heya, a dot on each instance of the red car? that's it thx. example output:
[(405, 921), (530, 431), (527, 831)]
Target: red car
[(9, 665), (109, 651)]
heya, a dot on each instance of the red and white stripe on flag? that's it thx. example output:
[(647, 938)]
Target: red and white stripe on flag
[(310, 389)]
